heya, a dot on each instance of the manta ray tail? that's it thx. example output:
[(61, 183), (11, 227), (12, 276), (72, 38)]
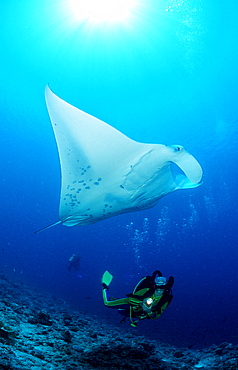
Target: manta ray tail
[(47, 227)]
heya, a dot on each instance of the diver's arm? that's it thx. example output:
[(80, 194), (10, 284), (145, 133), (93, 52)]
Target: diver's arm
[(156, 272), (170, 283), (159, 312), (161, 306), (114, 303)]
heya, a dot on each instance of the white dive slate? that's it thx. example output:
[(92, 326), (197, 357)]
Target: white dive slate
[(105, 173)]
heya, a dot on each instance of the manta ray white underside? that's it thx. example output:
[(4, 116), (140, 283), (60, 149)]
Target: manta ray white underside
[(105, 173)]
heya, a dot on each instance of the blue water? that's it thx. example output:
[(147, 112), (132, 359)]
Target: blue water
[(169, 75)]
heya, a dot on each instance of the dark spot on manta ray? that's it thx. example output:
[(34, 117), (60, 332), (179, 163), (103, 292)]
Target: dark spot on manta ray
[(105, 205), (99, 179), (87, 187), (96, 183), (121, 186)]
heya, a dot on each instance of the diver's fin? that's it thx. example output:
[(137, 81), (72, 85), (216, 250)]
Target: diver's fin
[(106, 278)]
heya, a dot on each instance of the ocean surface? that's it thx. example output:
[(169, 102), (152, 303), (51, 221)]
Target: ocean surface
[(167, 74)]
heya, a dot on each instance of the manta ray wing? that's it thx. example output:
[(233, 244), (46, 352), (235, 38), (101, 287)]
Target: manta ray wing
[(105, 173)]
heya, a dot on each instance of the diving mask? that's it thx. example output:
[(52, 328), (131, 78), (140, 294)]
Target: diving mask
[(160, 281)]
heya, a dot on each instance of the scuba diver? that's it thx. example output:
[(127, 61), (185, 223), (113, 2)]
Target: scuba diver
[(74, 263), (148, 301)]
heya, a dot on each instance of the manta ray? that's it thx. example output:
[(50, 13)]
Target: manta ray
[(105, 173)]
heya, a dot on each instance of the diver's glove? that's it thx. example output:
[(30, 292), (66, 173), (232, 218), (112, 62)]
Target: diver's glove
[(104, 286)]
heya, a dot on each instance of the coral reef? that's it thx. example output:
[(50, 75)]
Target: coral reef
[(43, 333)]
